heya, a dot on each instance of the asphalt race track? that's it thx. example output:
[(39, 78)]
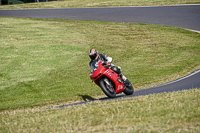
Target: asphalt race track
[(183, 16)]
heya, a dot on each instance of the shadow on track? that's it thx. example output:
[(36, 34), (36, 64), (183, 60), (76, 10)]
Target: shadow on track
[(87, 98)]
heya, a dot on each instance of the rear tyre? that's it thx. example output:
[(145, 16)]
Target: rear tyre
[(129, 90), (107, 87)]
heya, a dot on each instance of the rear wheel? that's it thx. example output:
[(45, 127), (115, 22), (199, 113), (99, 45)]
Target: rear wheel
[(107, 87), (128, 88)]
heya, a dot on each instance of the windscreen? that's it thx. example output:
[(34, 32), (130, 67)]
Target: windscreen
[(94, 66)]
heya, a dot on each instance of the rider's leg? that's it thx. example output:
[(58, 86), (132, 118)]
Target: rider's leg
[(118, 70), (126, 81), (123, 77)]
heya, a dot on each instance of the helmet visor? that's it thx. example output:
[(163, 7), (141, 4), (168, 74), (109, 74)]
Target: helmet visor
[(92, 57)]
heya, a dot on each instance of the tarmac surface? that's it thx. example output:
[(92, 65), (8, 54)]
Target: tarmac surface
[(183, 16)]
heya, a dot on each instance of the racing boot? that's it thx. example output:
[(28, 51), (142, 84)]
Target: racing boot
[(125, 80)]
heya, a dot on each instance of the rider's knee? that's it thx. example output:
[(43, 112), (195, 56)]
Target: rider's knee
[(116, 69)]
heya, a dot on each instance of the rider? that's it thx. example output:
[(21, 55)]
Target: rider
[(95, 56)]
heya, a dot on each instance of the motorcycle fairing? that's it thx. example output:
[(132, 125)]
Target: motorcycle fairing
[(98, 71)]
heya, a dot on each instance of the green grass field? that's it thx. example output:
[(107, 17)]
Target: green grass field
[(44, 63)]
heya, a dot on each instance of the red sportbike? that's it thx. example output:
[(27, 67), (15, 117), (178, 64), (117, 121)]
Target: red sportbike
[(109, 81)]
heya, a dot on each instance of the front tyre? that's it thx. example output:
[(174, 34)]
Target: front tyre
[(129, 90), (107, 87)]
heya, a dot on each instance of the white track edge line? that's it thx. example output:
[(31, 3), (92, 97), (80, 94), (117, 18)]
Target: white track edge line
[(191, 74)]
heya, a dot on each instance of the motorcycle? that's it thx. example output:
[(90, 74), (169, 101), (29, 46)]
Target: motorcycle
[(108, 80)]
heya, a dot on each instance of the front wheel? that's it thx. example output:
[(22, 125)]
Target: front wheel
[(128, 88), (107, 87)]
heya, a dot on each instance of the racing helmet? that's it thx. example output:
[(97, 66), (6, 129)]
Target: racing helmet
[(93, 54)]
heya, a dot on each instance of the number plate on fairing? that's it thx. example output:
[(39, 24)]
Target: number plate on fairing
[(120, 87)]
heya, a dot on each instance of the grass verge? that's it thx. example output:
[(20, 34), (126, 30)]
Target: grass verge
[(99, 3), (44, 61), (167, 112)]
